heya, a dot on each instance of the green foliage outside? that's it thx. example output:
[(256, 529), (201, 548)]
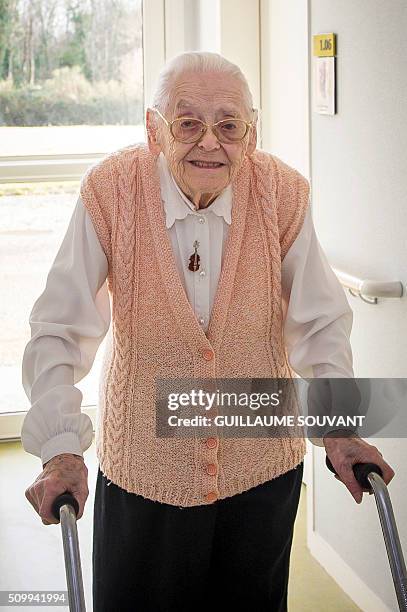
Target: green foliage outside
[(70, 62), (69, 99)]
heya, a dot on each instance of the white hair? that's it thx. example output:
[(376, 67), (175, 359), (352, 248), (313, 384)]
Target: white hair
[(197, 61)]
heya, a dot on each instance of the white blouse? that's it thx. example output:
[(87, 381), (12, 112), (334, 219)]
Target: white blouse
[(71, 317)]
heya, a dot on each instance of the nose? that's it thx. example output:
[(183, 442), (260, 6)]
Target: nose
[(209, 140)]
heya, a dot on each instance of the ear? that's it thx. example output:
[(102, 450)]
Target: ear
[(152, 133), (251, 147)]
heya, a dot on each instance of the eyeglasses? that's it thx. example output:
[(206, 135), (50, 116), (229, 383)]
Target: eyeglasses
[(189, 130)]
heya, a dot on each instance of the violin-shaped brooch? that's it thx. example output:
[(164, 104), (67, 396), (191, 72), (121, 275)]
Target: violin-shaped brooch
[(194, 259)]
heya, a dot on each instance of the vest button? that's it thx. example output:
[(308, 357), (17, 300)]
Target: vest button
[(211, 469), (207, 354), (211, 442), (211, 497)]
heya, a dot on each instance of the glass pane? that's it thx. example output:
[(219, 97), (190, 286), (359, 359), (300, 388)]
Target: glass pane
[(76, 63), (32, 229)]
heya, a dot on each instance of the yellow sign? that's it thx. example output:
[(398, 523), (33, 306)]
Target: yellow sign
[(325, 45)]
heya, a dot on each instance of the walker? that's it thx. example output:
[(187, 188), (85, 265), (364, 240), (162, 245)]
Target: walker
[(65, 508), (370, 476)]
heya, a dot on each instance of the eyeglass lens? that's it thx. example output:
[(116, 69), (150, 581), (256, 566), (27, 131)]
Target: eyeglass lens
[(229, 130)]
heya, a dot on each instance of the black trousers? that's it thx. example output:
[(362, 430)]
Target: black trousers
[(232, 554)]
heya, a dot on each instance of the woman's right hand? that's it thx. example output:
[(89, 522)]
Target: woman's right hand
[(65, 472)]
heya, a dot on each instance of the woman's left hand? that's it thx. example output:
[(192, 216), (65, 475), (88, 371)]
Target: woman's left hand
[(344, 452)]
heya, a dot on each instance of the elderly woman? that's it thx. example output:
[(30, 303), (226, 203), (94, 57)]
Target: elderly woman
[(207, 248)]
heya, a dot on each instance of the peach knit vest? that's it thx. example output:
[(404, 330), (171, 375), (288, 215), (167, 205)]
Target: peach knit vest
[(155, 334)]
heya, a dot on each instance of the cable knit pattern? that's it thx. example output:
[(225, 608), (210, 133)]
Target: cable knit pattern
[(283, 223), (155, 334)]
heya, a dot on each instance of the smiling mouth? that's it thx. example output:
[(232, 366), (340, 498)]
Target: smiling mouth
[(208, 165)]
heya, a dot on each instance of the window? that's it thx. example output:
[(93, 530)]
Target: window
[(71, 90), (76, 63)]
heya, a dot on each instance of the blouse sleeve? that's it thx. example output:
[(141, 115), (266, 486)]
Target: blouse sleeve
[(318, 319), (68, 323)]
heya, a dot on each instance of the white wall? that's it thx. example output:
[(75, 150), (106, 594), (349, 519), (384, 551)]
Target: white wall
[(358, 167), (284, 75), (229, 27)]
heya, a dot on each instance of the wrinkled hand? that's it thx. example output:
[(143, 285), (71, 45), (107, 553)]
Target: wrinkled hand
[(344, 452), (65, 472)]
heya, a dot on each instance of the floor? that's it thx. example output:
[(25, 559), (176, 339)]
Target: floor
[(32, 556), (311, 588)]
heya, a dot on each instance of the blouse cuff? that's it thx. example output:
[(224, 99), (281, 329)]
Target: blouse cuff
[(320, 441), (67, 442), (317, 441)]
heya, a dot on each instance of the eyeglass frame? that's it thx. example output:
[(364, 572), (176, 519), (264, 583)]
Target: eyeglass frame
[(169, 124)]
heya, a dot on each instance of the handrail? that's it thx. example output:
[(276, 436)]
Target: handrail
[(370, 290)]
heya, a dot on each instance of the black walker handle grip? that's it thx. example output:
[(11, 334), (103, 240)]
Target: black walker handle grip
[(61, 500), (360, 470)]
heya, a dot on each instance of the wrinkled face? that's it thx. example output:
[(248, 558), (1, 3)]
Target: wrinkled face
[(210, 97)]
